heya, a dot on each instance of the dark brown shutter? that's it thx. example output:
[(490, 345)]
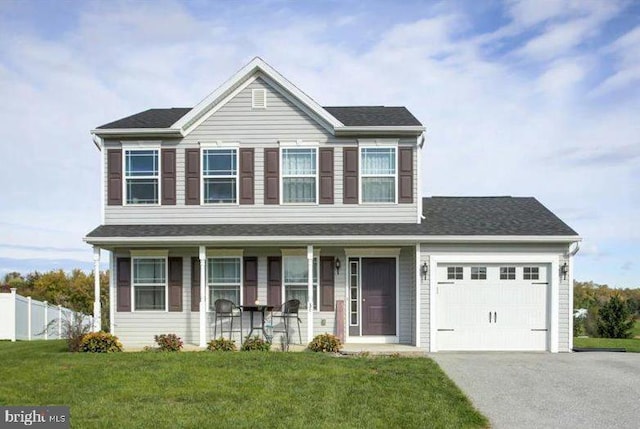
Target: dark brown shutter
[(326, 175), (114, 177), (271, 173), (123, 267), (195, 284), (192, 177), (175, 284), (168, 177), (250, 280), (247, 178), (326, 283), (405, 175), (350, 175), (274, 280)]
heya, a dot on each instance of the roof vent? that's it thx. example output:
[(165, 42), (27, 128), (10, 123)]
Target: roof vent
[(259, 98)]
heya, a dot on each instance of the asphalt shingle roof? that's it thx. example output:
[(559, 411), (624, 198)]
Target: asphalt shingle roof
[(350, 116), (373, 116), (472, 216), (152, 118)]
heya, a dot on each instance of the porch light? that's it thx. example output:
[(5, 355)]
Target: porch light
[(338, 266), (425, 271), (564, 270)]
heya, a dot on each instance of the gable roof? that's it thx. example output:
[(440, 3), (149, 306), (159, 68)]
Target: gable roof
[(444, 217), (349, 119), (151, 118), (373, 115), (348, 115)]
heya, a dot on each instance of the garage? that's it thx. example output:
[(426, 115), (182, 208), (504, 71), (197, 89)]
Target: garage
[(497, 306)]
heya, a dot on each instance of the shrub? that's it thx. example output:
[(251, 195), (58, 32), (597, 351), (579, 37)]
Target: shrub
[(168, 342), (73, 330), (256, 344), (615, 319), (100, 342), (222, 345), (325, 343)]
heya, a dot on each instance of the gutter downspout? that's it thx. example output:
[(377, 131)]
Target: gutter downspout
[(420, 144)]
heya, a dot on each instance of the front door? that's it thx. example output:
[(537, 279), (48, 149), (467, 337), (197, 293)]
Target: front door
[(378, 296)]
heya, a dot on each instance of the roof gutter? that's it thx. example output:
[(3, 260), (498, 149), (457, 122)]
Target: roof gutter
[(334, 238), (380, 130), (138, 132)]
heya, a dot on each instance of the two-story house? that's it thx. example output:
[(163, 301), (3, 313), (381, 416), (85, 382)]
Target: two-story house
[(258, 193)]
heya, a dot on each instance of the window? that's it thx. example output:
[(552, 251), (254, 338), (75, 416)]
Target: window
[(296, 277), (378, 174), (149, 283), (478, 273), (219, 176), (454, 273), (141, 176), (299, 175), (507, 273), (223, 279), (531, 273), (354, 275)]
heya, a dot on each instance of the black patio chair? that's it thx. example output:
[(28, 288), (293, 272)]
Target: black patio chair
[(226, 310), (286, 312)]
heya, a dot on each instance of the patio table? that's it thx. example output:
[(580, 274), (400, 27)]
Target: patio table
[(257, 309)]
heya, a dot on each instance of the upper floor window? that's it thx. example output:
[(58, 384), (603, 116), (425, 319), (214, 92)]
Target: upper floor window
[(142, 176), (149, 283), (378, 174), (299, 175), (220, 176)]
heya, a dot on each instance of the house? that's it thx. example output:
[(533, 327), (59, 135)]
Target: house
[(245, 194)]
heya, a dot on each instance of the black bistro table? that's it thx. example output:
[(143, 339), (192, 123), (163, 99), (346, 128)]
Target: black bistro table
[(257, 309)]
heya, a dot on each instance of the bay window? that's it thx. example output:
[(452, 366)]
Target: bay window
[(378, 174), (141, 176), (220, 176), (149, 283), (299, 175), (223, 279), (296, 277)]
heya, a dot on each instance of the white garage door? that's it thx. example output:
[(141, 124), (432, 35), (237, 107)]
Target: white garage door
[(492, 306)]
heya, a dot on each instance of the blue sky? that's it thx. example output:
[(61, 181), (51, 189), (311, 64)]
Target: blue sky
[(525, 98)]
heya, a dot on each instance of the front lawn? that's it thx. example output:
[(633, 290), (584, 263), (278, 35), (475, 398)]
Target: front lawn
[(245, 389), (632, 345)]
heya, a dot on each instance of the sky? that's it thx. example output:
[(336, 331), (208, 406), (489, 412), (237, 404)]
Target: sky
[(525, 98)]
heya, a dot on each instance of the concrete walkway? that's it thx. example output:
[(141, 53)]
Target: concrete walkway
[(543, 390)]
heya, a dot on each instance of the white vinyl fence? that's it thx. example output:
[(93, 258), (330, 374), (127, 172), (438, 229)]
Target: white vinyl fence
[(27, 319)]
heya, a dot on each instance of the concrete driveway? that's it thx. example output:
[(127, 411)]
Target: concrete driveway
[(543, 390)]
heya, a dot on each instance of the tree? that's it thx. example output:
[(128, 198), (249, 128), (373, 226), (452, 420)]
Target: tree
[(615, 319)]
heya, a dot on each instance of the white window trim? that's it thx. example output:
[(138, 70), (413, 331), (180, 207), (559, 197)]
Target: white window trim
[(360, 175), (219, 146), (150, 255), (301, 145), (316, 258), (211, 254), (138, 147)]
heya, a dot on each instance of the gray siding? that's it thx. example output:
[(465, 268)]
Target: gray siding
[(564, 312), (407, 296), (281, 121)]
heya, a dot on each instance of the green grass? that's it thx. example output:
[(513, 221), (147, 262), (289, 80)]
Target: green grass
[(245, 389), (632, 345), (635, 331)]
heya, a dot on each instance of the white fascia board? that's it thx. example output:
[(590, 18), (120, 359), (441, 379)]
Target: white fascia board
[(137, 132), (255, 65), (380, 130), (409, 240)]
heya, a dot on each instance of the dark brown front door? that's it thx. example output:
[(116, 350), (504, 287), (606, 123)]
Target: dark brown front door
[(378, 296)]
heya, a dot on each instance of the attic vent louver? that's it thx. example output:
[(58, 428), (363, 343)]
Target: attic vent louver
[(259, 98)]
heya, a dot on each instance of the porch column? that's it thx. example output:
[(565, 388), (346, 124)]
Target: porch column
[(310, 293), (203, 296), (97, 322), (112, 292)]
